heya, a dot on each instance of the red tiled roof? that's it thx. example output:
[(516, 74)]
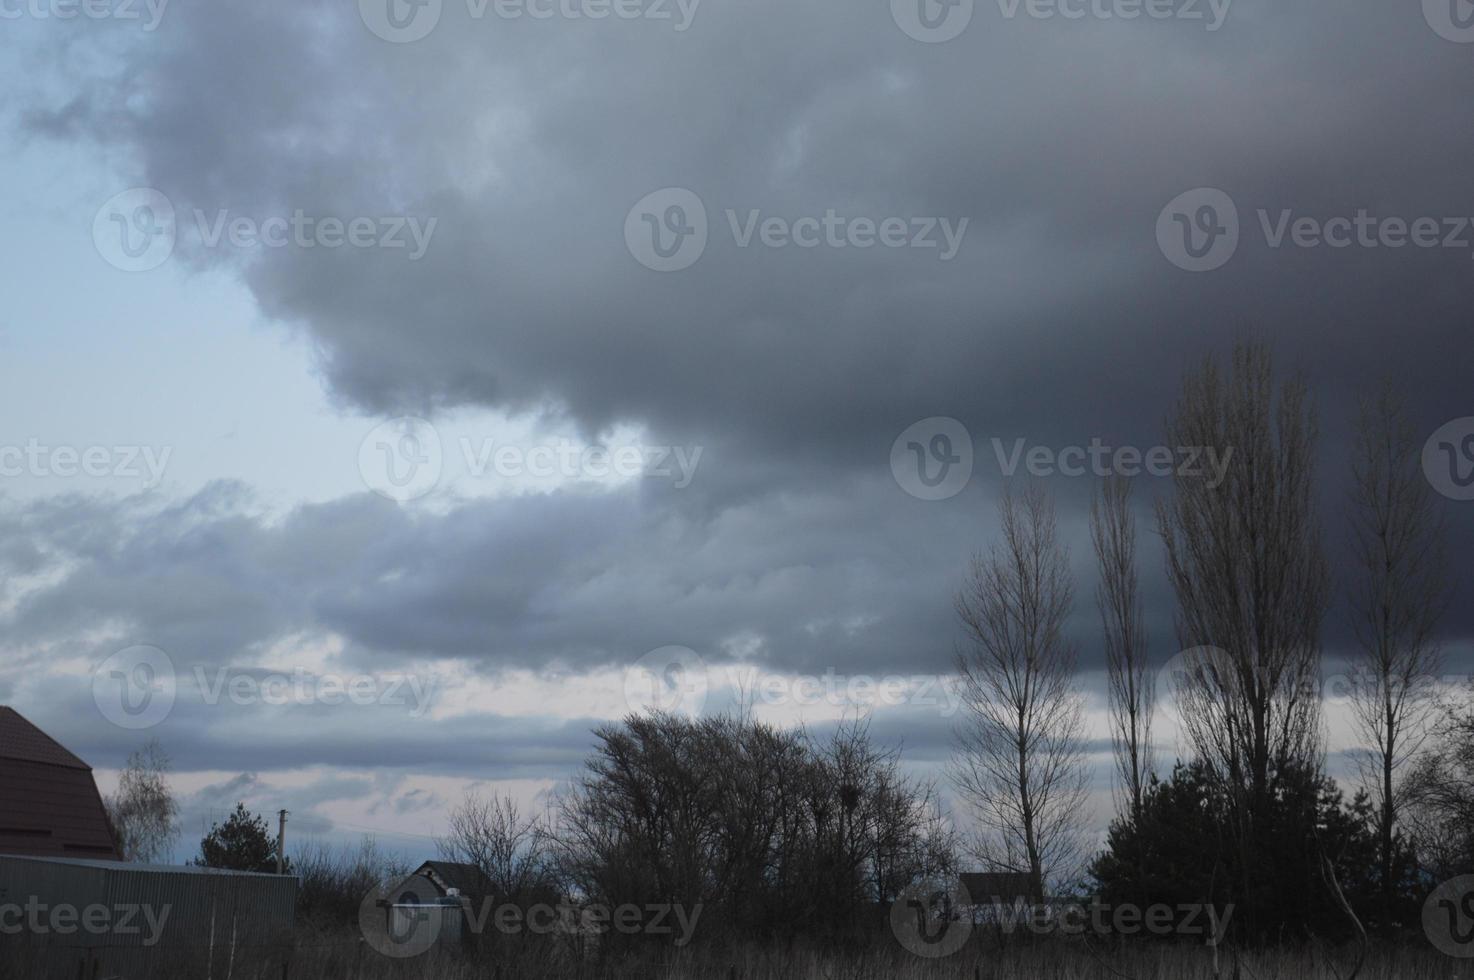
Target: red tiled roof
[(49, 804)]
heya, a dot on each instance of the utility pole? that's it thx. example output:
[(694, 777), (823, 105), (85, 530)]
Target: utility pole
[(281, 839)]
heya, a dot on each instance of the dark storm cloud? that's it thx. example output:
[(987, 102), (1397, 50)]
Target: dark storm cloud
[(1059, 319), (1060, 140)]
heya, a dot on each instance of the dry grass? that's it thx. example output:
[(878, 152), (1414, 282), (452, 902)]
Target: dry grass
[(349, 960)]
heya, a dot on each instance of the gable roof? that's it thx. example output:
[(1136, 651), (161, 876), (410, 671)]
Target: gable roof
[(24, 742), (49, 804), (465, 878)]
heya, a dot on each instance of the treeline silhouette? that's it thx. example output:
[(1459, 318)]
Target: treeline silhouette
[(766, 834)]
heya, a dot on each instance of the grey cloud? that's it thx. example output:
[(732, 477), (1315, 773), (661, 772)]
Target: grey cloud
[(1058, 321), (522, 582)]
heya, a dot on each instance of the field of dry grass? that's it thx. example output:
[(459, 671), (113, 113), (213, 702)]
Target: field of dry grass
[(1058, 961)]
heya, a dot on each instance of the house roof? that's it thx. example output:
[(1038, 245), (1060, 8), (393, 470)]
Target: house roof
[(23, 742), (49, 804), (985, 887), (465, 878)]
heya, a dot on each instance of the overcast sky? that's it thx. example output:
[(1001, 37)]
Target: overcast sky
[(473, 351)]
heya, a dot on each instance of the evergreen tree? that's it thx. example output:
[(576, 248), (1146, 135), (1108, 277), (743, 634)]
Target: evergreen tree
[(242, 843)]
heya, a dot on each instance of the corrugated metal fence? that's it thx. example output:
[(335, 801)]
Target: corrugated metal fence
[(88, 918)]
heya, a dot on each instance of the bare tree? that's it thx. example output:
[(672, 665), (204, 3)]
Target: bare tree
[(143, 811), (490, 833), (1440, 791), (1118, 597), (1399, 592), (1247, 566), (775, 832), (1246, 563), (332, 881), (1020, 759)]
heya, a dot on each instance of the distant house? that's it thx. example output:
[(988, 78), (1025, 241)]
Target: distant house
[(1002, 888), (467, 880), (49, 804)]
